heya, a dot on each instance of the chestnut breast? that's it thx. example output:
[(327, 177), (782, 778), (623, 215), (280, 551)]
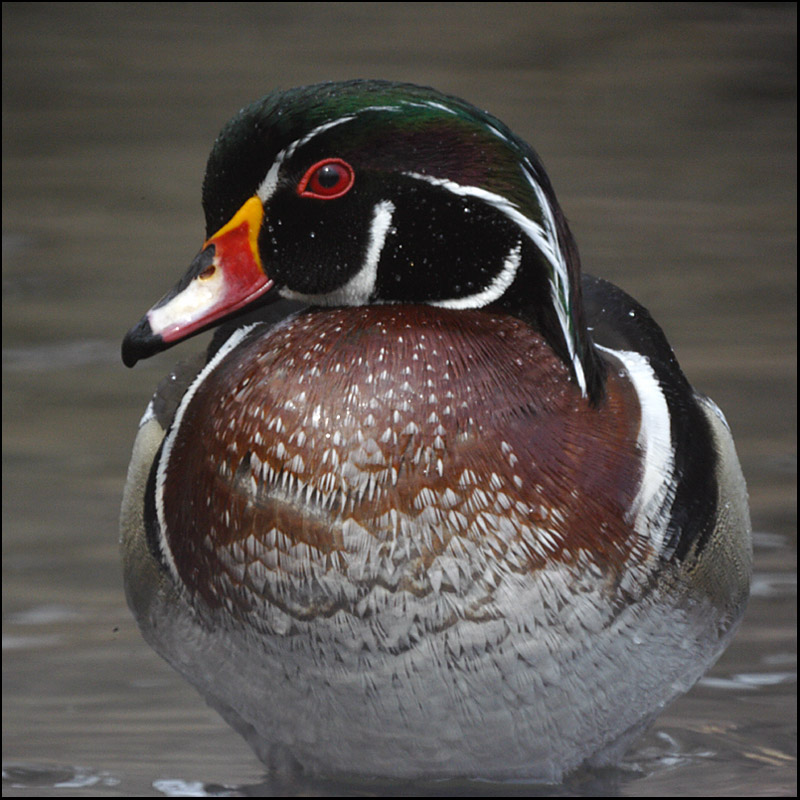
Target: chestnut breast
[(416, 448)]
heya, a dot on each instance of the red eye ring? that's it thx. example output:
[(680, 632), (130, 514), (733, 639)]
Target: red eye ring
[(327, 179)]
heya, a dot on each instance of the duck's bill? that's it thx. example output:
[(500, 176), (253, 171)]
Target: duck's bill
[(225, 277)]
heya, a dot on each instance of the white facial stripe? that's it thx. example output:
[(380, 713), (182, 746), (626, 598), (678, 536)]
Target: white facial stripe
[(651, 507), (360, 288), (270, 182), (497, 133), (560, 287), (377, 108), (545, 238), (430, 104), (496, 288), (234, 340), (314, 133)]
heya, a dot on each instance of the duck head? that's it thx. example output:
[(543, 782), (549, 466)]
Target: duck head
[(371, 192)]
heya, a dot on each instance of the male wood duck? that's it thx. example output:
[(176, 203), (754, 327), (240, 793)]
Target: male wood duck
[(459, 513)]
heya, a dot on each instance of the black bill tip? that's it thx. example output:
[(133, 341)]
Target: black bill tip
[(140, 342)]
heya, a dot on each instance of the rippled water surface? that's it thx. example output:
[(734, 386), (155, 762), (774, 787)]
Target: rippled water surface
[(669, 134)]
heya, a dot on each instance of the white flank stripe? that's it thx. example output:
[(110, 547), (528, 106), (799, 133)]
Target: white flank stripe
[(652, 505)]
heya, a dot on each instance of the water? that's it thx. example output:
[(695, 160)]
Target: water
[(669, 134)]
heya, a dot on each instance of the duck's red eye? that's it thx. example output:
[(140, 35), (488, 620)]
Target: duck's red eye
[(327, 180)]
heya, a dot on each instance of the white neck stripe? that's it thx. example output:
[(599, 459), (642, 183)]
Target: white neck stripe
[(163, 463), (360, 289), (495, 290)]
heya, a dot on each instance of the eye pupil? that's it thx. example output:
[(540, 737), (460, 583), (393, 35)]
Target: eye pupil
[(329, 175)]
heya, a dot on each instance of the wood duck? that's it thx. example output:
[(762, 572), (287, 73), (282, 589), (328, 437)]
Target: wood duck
[(457, 512)]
